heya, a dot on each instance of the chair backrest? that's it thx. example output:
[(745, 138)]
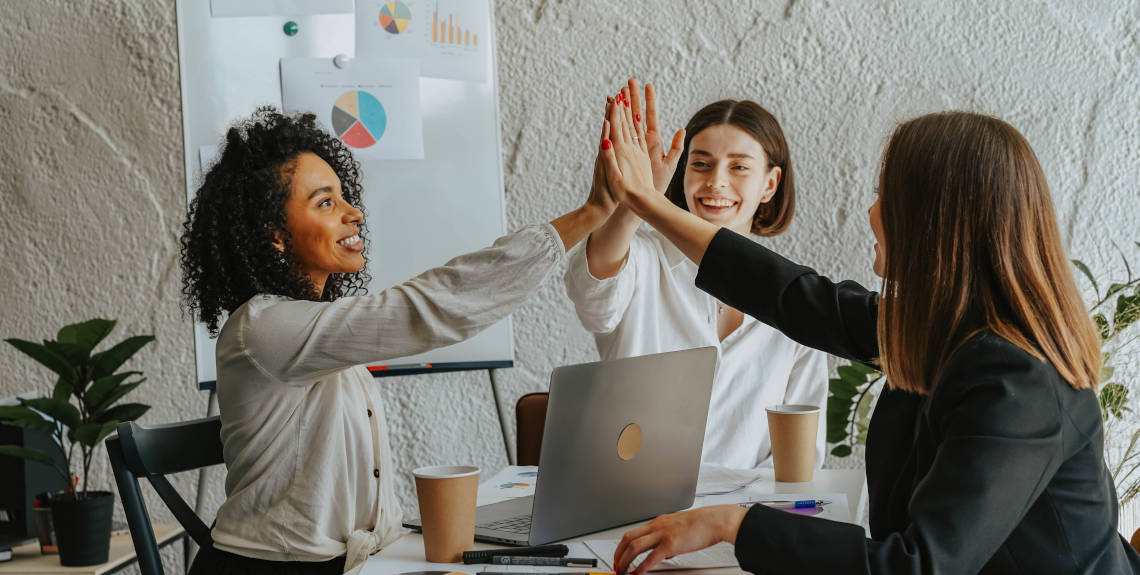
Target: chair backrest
[(153, 451), (530, 420)]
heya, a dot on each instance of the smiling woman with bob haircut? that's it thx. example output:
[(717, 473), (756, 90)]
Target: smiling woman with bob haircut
[(985, 455), (634, 290), (276, 240)]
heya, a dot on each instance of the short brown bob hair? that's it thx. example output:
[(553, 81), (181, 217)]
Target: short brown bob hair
[(773, 216), (972, 246)]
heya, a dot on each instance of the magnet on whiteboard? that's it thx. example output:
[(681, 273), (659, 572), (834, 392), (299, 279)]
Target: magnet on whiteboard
[(342, 61)]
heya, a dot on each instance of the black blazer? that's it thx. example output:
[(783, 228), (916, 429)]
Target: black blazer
[(999, 470)]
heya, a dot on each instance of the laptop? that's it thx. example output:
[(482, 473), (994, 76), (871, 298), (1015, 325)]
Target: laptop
[(622, 444)]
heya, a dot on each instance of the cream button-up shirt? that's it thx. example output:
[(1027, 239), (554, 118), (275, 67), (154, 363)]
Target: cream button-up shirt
[(653, 305), (310, 473)]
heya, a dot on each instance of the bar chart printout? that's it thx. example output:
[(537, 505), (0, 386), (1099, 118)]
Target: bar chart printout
[(450, 38), (446, 30)]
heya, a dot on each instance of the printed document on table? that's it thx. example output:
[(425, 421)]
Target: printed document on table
[(715, 480), (512, 481), (719, 555), (238, 8)]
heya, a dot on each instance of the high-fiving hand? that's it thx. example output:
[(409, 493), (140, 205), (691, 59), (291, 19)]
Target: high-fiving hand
[(625, 155)]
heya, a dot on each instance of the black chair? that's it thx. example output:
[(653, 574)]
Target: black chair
[(153, 451)]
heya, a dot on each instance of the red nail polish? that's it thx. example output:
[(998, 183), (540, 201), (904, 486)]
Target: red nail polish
[(606, 144), (637, 117)]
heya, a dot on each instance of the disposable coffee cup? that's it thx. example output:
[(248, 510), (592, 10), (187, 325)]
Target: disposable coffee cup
[(793, 431), (447, 510)]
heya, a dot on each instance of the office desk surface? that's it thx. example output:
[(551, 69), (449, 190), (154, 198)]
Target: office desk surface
[(852, 482), (27, 558)]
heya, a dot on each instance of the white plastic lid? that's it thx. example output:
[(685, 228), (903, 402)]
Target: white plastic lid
[(793, 408), (445, 471)]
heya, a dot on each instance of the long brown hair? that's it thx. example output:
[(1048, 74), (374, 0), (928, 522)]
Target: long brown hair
[(771, 217), (972, 245)]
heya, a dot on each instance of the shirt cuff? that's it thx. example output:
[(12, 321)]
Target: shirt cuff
[(774, 541)]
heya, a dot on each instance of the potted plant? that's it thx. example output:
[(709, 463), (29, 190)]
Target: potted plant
[(83, 409)]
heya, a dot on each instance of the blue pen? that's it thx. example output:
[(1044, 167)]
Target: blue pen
[(801, 504)]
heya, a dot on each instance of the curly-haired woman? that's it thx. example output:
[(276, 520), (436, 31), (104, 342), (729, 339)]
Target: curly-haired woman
[(275, 240)]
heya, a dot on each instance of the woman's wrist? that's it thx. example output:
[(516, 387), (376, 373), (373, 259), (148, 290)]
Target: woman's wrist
[(730, 526)]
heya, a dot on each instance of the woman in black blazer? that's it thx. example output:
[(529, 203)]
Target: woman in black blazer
[(985, 453)]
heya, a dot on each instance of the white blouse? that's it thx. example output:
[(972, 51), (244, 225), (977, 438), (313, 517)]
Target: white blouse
[(653, 305), (310, 473)]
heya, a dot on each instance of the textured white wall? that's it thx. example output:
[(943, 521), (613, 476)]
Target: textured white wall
[(92, 189)]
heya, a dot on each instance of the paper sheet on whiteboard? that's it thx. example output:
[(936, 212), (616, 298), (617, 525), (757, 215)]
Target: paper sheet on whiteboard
[(451, 38), (236, 8), (372, 105)]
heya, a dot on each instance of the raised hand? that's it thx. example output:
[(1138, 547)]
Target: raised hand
[(663, 162), (629, 173), (600, 195)]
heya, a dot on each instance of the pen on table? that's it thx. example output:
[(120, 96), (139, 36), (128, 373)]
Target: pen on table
[(544, 561), (801, 504)]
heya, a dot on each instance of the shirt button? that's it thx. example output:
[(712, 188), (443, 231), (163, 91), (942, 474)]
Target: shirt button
[(376, 473), (369, 413)]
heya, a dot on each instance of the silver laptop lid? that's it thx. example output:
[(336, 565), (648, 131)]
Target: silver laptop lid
[(622, 442)]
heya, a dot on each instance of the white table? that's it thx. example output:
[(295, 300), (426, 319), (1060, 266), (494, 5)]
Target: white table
[(851, 482)]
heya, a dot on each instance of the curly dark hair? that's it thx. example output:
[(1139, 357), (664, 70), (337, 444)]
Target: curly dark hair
[(238, 213)]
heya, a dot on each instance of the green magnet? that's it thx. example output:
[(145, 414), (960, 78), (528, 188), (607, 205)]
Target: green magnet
[(291, 28)]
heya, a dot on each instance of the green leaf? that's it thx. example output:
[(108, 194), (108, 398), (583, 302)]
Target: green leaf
[(58, 409), (106, 362), (1127, 311), (62, 389), (1088, 274), (1102, 326), (851, 375), (841, 389), (116, 395), (864, 368), (73, 354), (124, 412), (1113, 400), (104, 386), (86, 334), (841, 450), (863, 417), (25, 453), (836, 427), (45, 357), (1106, 372), (90, 434), (1112, 289), (28, 419)]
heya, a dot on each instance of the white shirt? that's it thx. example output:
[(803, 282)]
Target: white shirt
[(310, 473), (653, 305)]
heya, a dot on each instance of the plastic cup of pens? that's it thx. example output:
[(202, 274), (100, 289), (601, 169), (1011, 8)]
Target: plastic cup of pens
[(447, 510), (793, 429)]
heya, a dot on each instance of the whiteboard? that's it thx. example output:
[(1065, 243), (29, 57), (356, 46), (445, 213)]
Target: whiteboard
[(420, 213)]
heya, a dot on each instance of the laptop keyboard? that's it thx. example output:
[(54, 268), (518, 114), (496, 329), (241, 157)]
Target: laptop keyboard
[(520, 525)]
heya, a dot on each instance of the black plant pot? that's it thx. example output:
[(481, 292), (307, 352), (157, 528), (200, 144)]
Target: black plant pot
[(83, 527)]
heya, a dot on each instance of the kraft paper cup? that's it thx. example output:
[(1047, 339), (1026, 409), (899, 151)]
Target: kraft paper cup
[(793, 429), (447, 510)]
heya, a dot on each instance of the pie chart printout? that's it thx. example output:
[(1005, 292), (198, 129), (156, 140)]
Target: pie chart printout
[(394, 17), (358, 119)]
